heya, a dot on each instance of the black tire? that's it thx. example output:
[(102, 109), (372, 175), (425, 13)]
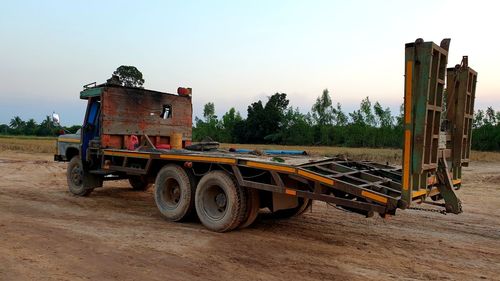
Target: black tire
[(174, 193), (253, 207), (75, 177), (139, 183), (220, 202), (304, 204)]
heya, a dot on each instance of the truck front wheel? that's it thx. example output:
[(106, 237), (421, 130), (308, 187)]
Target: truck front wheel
[(75, 177), (174, 193)]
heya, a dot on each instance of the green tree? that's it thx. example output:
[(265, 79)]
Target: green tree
[(357, 117), (340, 117), (209, 112), (364, 115), (322, 110), (383, 117), (296, 129), (30, 127), (323, 115), (46, 128), (478, 119), (209, 127), (128, 76), (4, 129), (263, 121), (254, 130), (229, 121), (490, 116), (275, 110), (366, 111), (401, 116), (17, 124)]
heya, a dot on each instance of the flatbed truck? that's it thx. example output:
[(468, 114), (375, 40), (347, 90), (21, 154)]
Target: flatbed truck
[(145, 136)]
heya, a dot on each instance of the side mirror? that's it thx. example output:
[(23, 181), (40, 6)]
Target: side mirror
[(55, 118)]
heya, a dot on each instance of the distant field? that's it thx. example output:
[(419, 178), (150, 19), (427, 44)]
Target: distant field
[(26, 137), (390, 155), (47, 145), (375, 154), (28, 144)]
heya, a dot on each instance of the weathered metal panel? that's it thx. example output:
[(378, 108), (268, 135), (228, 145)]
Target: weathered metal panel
[(128, 111), (460, 97), (425, 68), (91, 92)]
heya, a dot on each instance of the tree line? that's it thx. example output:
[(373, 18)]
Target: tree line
[(371, 125), (18, 126), (276, 122), (486, 130)]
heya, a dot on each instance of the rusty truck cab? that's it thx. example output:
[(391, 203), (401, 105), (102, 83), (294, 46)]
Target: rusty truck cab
[(118, 115)]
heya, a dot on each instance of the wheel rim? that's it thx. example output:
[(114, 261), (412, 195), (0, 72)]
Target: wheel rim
[(171, 193), (215, 202), (77, 175)]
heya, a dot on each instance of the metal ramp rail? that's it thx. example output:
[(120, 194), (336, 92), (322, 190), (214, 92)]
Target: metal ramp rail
[(361, 187)]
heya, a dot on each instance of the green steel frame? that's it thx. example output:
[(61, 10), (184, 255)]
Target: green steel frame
[(437, 123)]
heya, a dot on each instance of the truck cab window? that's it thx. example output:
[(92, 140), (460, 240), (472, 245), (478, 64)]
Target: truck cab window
[(166, 111)]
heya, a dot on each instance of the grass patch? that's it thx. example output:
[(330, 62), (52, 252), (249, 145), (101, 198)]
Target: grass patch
[(26, 137), (28, 144), (373, 154), (382, 155)]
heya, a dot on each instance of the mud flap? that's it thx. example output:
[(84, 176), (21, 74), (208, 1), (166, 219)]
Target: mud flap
[(91, 181), (284, 201)]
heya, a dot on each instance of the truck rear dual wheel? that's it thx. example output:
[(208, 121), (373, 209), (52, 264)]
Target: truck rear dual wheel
[(75, 176), (221, 204), (174, 192), (304, 204), (253, 207)]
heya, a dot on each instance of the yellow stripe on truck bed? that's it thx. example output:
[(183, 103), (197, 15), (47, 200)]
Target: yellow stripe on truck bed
[(291, 170), (374, 196), (271, 167), (316, 177), (418, 193), (198, 158), (127, 154), (173, 157)]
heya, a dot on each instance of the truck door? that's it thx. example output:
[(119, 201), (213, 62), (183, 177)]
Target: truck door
[(91, 128)]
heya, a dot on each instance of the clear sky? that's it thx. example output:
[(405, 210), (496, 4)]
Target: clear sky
[(234, 52)]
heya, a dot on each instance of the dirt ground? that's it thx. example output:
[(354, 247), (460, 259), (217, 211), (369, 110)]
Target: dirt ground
[(117, 234)]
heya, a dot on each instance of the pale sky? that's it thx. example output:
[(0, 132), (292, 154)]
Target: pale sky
[(233, 53)]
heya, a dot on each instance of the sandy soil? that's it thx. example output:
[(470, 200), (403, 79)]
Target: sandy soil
[(117, 234)]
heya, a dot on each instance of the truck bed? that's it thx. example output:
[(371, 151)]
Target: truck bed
[(359, 186)]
